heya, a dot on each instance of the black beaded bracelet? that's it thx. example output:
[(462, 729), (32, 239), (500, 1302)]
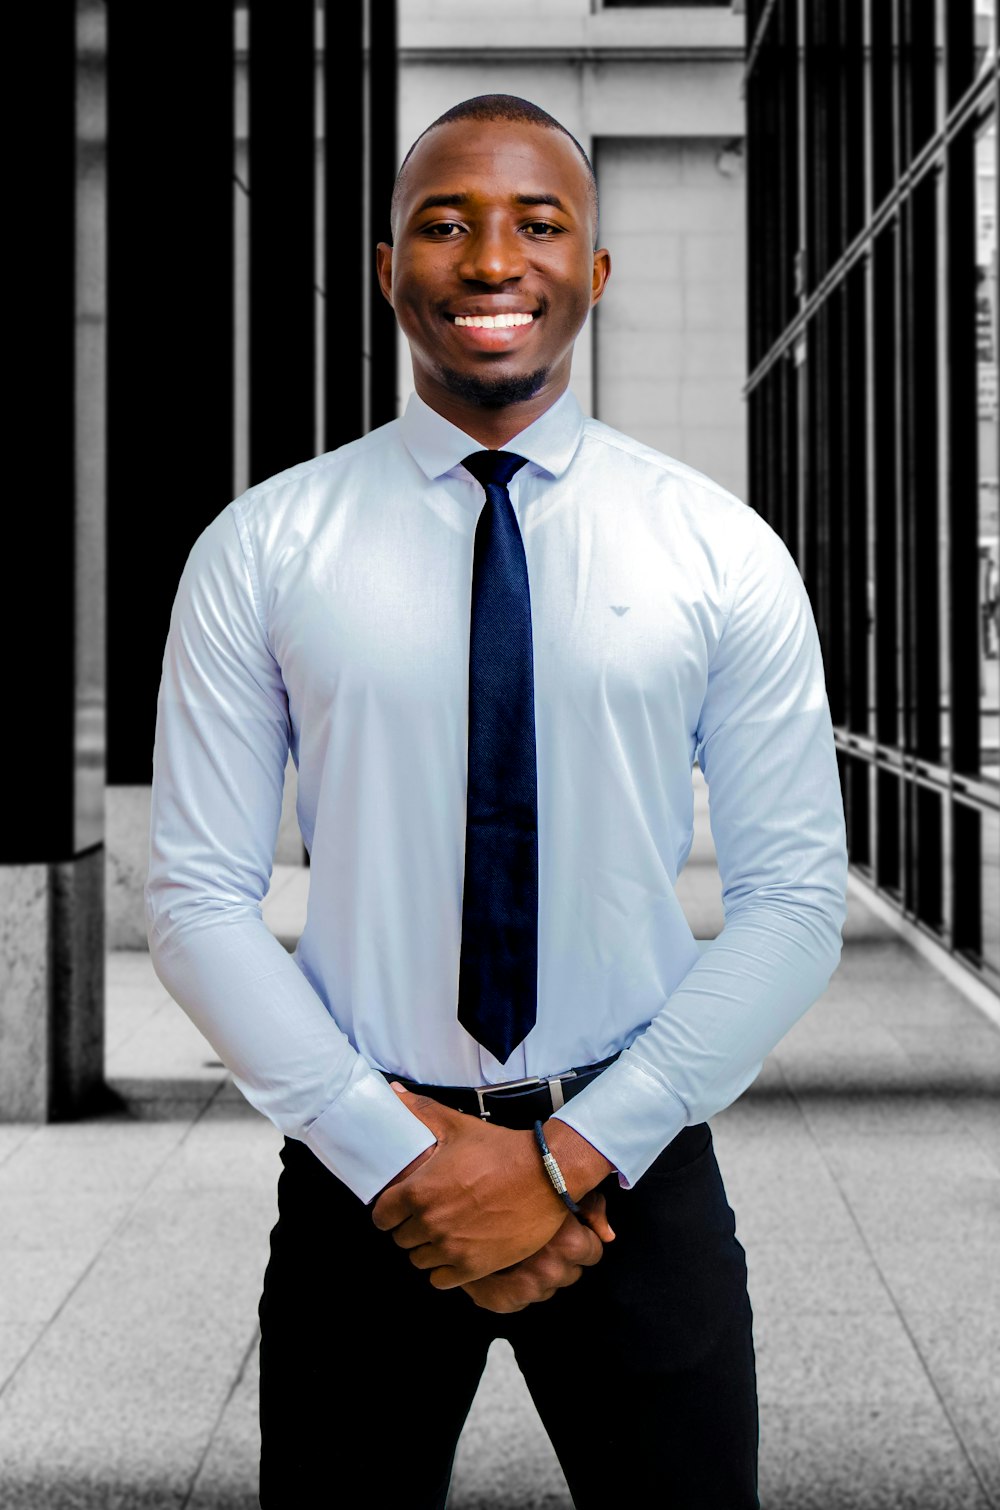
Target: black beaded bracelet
[(555, 1175)]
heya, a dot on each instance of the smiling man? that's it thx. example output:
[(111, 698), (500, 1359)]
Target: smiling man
[(496, 634)]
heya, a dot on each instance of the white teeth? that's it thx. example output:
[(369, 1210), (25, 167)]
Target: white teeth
[(494, 322)]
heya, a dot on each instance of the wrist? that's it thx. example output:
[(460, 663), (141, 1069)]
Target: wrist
[(582, 1165)]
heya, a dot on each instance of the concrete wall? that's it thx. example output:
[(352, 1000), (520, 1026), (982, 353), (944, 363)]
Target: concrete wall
[(654, 97), (671, 328)]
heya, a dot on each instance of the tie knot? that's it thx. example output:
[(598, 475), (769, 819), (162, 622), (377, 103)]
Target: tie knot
[(493, 466)]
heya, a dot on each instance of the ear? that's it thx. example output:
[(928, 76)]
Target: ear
[(383, 268), (602, 272)]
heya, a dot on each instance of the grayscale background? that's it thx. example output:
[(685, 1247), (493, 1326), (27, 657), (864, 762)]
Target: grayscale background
[(800, 200)]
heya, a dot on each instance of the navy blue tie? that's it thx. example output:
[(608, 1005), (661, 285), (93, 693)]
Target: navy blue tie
[(498, 971)]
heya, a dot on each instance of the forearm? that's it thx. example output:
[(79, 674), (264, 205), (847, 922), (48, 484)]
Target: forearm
[(287, 1056), (708, 1041)]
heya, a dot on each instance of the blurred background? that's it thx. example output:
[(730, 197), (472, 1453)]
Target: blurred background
[(800, 199)]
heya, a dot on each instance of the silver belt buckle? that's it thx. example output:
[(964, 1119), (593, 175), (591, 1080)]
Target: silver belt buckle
[(504, 1085), (554, 1083)]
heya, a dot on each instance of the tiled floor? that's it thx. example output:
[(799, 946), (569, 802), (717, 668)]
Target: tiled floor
[(863, 1167)]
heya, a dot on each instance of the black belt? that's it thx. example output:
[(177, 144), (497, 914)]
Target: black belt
[(512, 1103)]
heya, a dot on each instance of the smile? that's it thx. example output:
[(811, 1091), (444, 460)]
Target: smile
[(493, 322)]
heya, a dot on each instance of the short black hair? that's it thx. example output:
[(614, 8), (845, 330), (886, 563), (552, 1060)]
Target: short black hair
[(500, 107)]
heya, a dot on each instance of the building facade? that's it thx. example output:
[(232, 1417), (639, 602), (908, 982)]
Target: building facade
[(872, 406), (800, 204)]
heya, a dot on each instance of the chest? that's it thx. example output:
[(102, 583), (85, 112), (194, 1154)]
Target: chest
[(377, 611)]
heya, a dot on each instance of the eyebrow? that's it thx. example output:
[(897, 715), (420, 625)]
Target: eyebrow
[(443, 201)]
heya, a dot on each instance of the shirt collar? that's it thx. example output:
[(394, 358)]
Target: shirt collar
[(438, 446)]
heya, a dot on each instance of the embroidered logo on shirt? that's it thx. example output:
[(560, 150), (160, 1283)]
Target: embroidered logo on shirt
[(620, 608)]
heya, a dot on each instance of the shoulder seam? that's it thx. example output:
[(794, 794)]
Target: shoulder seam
[(246, 545), (662, 462)]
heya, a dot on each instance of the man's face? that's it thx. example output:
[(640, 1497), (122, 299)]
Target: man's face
[(494, 223)]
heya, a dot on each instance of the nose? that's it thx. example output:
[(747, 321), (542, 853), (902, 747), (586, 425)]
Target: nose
[(493, 254)]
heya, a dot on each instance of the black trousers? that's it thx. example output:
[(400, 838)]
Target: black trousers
[(643, 1372)]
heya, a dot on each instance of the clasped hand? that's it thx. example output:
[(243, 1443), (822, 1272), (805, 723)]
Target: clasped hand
[(478, 1211)]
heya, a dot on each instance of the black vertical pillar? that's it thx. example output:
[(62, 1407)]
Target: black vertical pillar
[(383, 162), (39, 522), (170, 336), (345, 254), (282, 233), (51, 849)]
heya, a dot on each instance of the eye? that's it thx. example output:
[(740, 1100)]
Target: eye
[(543, 228), (442, 230)]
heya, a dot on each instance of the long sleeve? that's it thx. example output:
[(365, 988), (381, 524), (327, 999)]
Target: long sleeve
[(222, 739), (765, 744)]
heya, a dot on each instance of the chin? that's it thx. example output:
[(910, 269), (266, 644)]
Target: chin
[(495, 392)]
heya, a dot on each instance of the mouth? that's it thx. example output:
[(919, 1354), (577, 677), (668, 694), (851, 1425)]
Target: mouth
[(492, 332), (493, 322)]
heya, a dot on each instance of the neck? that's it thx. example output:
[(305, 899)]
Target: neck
[(492, 428)]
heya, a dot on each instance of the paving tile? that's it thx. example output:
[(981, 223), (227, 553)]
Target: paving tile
[(875, 1063), (169, 1046), (182, 1095), (774, 1118), (960, 1345), (813, 1277), (790, 1199), (74, 1220), (839, 1360), (128, 1382), (882, 957), (231, 1152), (487, 1473), (16, 1339), (835, 1118), (907, 1187), (13, 1135), (928, 1272), (118, 1157), (929, 1002), (972, 1052), (879, 1456), (229, 1476), (980, 1116), (37, 1281)]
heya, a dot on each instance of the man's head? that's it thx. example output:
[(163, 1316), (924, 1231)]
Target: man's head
[(498, 107), (494, 218)]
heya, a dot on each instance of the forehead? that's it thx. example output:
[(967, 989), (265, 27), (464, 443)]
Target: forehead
[(505, 157)]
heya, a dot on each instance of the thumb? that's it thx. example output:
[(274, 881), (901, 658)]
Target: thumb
[(593, 1210), (430, 1112)]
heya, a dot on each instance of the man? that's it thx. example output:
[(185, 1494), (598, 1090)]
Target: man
[(496, 635)]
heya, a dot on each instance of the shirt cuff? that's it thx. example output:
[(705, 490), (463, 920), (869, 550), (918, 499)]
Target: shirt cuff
[(628, 1114), (366, 1136)]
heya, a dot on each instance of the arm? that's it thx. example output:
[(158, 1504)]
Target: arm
[(222, 739), (765, 743)]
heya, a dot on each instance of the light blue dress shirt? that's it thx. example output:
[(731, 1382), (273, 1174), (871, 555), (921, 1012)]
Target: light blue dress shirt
[(327, 610)]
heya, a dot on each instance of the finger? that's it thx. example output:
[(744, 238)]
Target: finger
[(593, 1209), (391, 1208), (446, 1277), (410, 1235)]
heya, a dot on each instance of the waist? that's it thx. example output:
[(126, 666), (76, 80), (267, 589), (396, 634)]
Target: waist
[(512, 1103)]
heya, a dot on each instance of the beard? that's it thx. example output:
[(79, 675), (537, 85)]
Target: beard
[(495, 393)]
